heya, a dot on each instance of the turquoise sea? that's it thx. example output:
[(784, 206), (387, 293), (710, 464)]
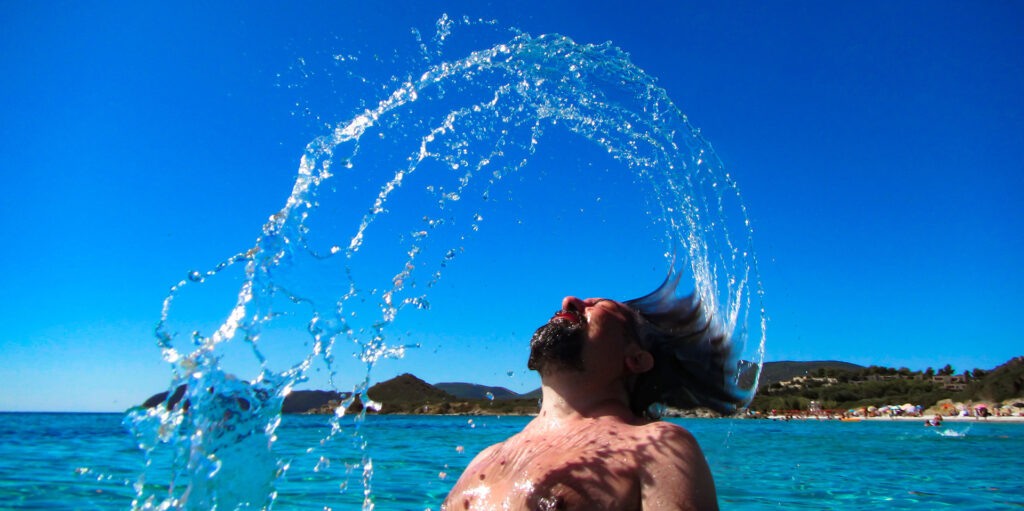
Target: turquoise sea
[(89, 461)]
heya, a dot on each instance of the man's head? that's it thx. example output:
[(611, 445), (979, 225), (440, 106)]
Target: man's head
[(668, 349), (596, 335)]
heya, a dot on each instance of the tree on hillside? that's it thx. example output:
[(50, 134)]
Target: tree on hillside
[(929, 372), (1003, 382), (979, 373), (877, 370), (946, 371)]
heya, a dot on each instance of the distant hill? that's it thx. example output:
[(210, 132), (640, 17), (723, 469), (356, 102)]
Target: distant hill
[(474, 391), (301, 401), (533, 394), (402, 394), (774, 372), (1003, 382), (408, 394), (406, 389), (842, 388)]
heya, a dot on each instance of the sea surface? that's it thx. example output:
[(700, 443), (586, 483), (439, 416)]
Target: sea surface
[(89, 461)]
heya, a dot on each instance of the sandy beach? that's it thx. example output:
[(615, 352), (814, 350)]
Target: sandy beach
[(951, 419)]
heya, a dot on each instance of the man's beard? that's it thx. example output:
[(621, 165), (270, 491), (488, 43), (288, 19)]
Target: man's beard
[(557, 345)]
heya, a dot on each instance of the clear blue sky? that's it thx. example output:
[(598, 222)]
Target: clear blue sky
[(877, 146)]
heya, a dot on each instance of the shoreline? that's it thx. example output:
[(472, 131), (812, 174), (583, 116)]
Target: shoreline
[(777, 418), (959, 420)]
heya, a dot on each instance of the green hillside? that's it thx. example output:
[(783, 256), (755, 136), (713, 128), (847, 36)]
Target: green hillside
[(774, 372), (407, 394), (785, 385), (474, 391), (834, 387), (406, 389), (1001, 383)]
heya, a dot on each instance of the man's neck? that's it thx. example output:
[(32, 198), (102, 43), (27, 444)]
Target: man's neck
[(575, 396)]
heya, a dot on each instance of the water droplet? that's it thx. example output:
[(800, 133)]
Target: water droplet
[(490, 396), (195, 276)]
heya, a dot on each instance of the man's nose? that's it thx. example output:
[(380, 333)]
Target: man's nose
[(573, 303)]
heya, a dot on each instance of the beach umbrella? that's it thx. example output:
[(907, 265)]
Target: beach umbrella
[(980, 405), (947, 405), (1018, 405), (907, 407), (872, 409)]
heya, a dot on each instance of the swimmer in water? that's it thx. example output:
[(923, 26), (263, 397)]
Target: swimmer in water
[(593, 446)]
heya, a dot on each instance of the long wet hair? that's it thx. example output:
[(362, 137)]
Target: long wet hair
[(695, 362)]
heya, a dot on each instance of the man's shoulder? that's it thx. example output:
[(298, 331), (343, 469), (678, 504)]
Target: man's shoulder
[(675, 468), (663, 431), (669, 443)]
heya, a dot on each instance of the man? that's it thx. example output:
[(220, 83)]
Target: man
[(602, 363)]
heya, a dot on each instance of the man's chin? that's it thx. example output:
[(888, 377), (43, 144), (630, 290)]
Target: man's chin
[(556, 346)]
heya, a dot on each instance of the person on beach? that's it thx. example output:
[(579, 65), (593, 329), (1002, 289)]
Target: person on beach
[(594, 445)]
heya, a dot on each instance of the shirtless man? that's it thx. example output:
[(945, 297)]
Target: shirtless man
[(590, 448)]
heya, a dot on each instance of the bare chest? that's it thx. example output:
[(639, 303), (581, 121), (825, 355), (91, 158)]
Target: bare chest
[(560, 474)]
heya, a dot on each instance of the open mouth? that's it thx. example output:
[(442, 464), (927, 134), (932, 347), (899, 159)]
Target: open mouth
[(568, 315)]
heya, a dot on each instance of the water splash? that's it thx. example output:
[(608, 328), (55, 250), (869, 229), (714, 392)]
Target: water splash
[(383, 205), (950, 432)]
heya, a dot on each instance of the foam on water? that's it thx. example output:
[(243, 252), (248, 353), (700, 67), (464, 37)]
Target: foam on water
[(950, 432), (380, 208)]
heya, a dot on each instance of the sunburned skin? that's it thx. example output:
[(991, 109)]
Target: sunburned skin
[(586, 450)]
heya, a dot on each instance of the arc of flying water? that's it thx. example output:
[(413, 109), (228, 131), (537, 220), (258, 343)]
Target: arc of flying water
[(624, 133)]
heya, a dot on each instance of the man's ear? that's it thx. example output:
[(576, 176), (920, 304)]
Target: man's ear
[(639, 361)]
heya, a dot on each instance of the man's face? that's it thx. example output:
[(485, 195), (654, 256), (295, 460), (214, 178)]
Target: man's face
[(586, 334)]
